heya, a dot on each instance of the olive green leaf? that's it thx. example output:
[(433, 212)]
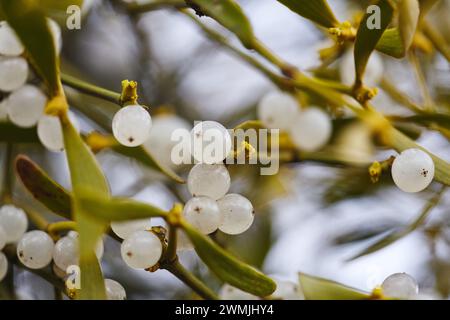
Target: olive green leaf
[(368, 36), (146, 158), (426, 5), (118, 209), (86, 177), (229, 14), (12, 133), (30, 24), (317, 11), (228, 268), (391, 44), (408, 17), (315, 288), (250, 124), (400, 142), (43, 188)]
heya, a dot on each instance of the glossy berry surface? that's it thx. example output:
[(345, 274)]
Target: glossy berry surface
[(237, 214), (210, 180)]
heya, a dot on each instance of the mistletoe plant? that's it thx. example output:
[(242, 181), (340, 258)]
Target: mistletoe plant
[(306, 109)]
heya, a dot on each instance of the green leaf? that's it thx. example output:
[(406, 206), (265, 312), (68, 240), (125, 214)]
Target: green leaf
[(43, 188), (400, 142), (317, 11), (86, 177), (14, 134), (426, 5), (228, 268), (391, 44), (118, 209), (408, 17), (230, 15), (28, 20), (367, 39), (315, 288), (147, 159)]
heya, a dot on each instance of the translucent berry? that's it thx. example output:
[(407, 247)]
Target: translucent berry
[(413, 170), (35, 249), (3, 266), (277, 110), (141, 250), (401, 286), (203, 213), (228, 292), (237, 213), (26, 106), (373, 74), (14, 222), (160, 142), (312, 130), (124, 229), (13, 73), (131, 125), (210, 142), (2, 238), (50, 132), (114, 290), (10, 44), (210, 180)]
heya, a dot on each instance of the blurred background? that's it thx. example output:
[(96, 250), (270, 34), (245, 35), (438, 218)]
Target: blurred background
[(311, 217)]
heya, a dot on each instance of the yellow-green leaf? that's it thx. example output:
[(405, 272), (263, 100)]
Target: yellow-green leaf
[(28, 20), (229, 14), (369, 33), (86, 177), (43, 188), (147, 159), (118, 209), (315, 288), (228, 268), (391, 44), (408, 18), (315, 10)]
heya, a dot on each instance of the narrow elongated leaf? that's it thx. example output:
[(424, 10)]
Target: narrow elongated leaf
[(400, 142), (408, 18), (118, 209), (369, 33), (315, 10), (43, 188), (426, 5), (147, 159), (229, 14), (315, 288), (391, 44), (86, 177), (228, 268), (30, 24)]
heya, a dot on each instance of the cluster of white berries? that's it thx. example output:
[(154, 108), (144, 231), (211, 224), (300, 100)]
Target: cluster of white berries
[(23, 103), (36, 249), (413, 170), (400, 286), (309, 129), (211, 208)]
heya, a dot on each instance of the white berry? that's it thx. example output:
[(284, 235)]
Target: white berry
[(124, 229), (210, 180), (13, 73), (237, 213), (400, 285), (277, 110), (372, 75), (3, 266), (14, 222), (55, 30), (26, 106), (311, 130), (160, 142), (131, 125), (413, 170), (2, 238), (203, 213), (50, 132), (35, 249), (210, 142), (10, 45), (228, 292), (114, 290), (141, 250), (287, 290)]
